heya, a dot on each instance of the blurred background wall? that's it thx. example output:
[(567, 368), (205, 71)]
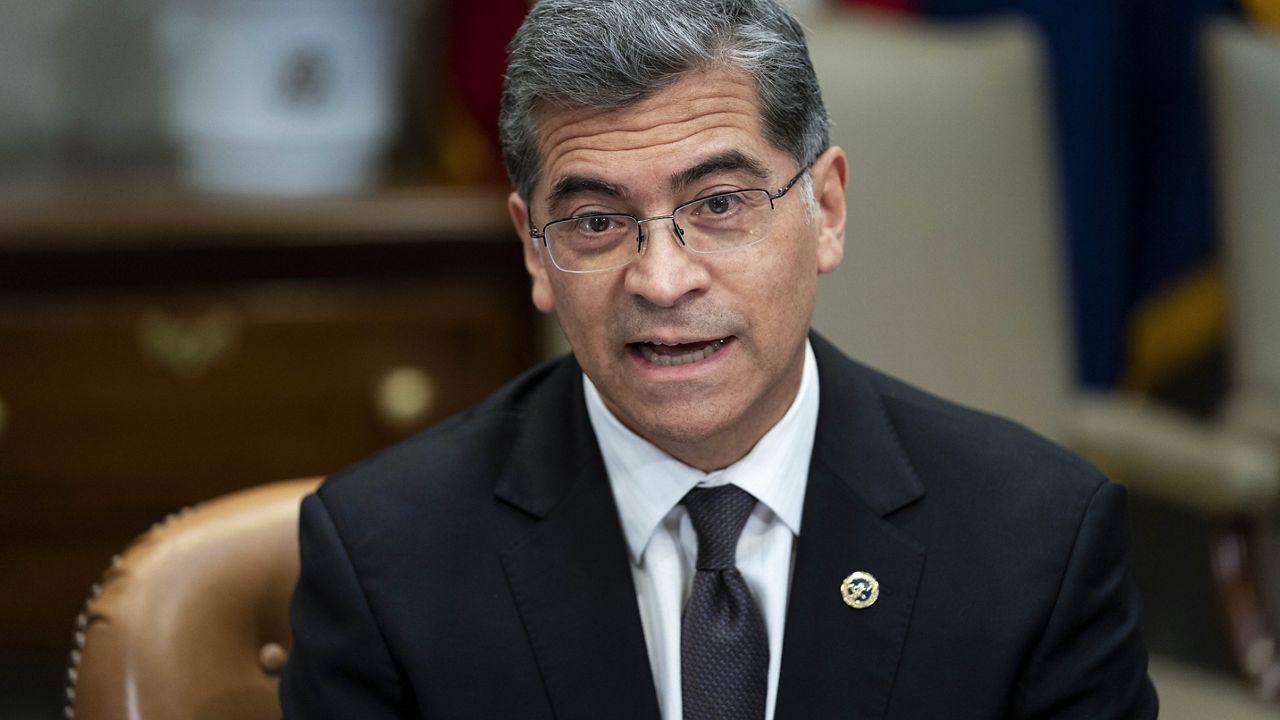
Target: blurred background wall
[(195, 298)]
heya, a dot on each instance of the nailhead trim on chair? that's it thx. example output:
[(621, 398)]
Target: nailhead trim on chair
[(82, 620), (73, 668)]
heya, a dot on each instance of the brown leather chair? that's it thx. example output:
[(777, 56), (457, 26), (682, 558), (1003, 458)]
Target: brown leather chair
[(191, 621)]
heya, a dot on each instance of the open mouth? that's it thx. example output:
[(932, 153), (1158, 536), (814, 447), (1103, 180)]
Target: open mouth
[(667, 355)]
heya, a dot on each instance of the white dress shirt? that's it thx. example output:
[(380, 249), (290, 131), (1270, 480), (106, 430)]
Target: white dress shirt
[(648, 485)]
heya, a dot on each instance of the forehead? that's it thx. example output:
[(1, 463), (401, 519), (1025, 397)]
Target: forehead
[(702, 114)]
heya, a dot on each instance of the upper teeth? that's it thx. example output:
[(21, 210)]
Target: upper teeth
[(689, 357)]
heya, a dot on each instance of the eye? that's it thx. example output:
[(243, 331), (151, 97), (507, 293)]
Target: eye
[(596, 224), (721, 204)]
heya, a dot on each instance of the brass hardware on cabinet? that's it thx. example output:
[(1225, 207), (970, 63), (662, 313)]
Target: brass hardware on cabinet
[(404, 397), (187, 347)]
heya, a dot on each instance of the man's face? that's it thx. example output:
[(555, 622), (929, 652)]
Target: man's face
[(736, 321)]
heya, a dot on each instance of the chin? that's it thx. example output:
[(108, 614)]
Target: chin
[(686, 425)]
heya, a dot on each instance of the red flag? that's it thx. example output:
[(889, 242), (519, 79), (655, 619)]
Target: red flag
[(478, 37)]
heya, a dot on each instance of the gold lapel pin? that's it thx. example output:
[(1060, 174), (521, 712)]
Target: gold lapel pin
[(860, 590)]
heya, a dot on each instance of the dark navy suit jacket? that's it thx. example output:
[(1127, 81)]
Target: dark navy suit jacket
[(478, 570)]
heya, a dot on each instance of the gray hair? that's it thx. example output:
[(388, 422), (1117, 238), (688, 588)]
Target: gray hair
[(615, 53)]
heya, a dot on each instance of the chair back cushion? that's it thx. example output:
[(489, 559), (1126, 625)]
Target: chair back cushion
[(954, 274)]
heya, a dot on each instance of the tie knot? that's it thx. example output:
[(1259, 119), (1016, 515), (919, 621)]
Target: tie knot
[(718, 516)]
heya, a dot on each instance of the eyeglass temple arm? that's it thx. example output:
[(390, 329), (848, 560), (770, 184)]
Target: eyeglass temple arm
[(794, 179), (534, 232)]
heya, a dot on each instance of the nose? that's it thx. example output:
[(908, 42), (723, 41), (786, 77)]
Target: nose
[(665, 272)]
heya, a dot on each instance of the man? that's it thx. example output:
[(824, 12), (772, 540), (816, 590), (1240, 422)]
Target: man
[(705, 512)]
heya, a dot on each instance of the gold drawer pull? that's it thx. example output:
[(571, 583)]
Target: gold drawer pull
[(187, 347), (404, 397)]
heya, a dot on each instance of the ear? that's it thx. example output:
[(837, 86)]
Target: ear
[(830, 179), (543, 297)]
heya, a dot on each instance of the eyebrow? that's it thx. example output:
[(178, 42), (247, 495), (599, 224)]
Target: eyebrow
[(570, 185), (729, 161)]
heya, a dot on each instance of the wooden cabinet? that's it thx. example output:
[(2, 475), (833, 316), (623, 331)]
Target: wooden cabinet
[(157, 352)]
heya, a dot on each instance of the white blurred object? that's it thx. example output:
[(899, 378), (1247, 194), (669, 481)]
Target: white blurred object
[(282, 97)]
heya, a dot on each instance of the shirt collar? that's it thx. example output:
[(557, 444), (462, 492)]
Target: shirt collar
[(648, 482)]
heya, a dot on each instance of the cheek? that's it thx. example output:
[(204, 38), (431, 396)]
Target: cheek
[(786, 291), (583, 307), (790, 270)]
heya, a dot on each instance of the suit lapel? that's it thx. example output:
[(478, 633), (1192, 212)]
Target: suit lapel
[(838, 661), (570, 575)]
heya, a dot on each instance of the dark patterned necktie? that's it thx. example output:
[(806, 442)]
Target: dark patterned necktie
[(724, 649)]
